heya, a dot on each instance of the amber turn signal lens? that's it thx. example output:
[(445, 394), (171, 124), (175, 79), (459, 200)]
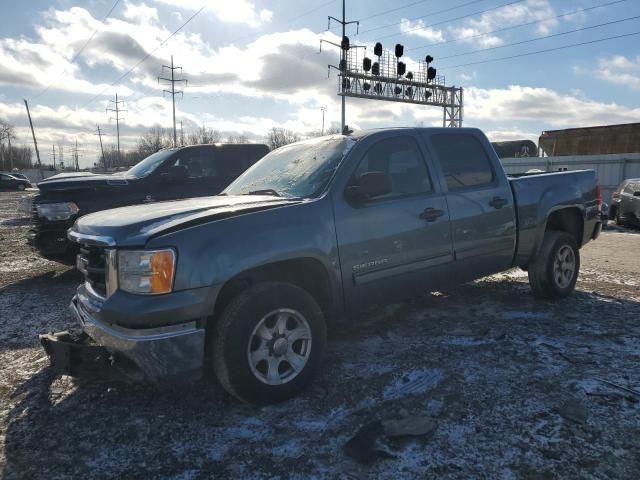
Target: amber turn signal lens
[(161, 266)]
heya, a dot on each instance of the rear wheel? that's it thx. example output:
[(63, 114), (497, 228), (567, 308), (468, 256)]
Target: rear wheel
[(554, 272), (269, 343)]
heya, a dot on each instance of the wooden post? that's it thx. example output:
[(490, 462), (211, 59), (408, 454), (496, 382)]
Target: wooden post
[(33, 133)]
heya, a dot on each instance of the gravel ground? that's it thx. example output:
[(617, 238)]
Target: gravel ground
[(513, 387)]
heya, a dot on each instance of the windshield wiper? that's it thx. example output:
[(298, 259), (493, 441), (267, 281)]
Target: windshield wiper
[(266, 191)]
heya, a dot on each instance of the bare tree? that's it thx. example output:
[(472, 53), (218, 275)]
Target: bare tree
[(278, 137), (154, 140), (332, 130), (10, 156), (204, 135), (237, 139)]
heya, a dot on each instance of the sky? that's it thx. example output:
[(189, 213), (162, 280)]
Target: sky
[(254, 65)]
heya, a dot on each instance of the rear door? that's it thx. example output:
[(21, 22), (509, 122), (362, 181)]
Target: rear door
[(203, 175), (389, 245), (480, 203)]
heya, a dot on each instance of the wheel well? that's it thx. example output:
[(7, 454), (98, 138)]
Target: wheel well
[(306, 273), (567, 220)]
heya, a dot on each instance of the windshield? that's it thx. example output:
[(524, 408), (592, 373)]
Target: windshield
[(301, 169), (149, 164)]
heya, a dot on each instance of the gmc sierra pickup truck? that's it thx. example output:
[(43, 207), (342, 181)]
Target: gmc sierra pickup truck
[(183, 172), (243, 286)]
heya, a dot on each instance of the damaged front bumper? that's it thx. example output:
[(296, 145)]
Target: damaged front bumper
[(75, 354), (167, 353)]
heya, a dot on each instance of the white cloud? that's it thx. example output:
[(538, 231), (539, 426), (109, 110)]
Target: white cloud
[(520, 103), (617, 69), (141, 11), (237, 11), (503, 17), (420, 29)]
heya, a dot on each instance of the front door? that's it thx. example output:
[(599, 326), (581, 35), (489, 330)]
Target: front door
[(389, 245)]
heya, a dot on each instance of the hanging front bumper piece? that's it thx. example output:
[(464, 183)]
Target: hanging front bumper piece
[(171, 353)]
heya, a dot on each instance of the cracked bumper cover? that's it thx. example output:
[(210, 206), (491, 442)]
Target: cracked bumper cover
[(165, 352)]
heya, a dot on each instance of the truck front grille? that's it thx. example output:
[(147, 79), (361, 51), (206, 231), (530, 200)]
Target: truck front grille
[(91, 262)]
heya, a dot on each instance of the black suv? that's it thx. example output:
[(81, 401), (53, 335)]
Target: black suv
[(174, 173), (9, 181), (625, 203)]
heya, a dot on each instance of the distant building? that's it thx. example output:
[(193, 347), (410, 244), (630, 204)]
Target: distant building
[(604, 140)]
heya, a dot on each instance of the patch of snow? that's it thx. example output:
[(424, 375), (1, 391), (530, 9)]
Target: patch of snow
[(413, 382)]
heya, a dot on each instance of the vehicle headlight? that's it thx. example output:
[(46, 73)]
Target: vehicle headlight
[(146, 271), (57, 211)]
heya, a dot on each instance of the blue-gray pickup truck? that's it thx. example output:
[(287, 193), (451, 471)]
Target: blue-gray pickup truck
[(243, 286)]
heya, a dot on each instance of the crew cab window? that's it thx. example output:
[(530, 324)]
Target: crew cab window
[(401, 160), (463, 160), (199, 163)]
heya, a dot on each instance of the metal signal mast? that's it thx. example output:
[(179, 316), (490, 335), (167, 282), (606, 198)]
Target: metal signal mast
[(344, 48), (387, 77)]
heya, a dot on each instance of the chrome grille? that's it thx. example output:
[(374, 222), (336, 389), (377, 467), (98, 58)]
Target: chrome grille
[(91, 262)]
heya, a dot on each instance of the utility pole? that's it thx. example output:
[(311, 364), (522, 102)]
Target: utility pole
[(10, 152), (173, 93), (181, 134), (33, 134), (74, 155), (104, 159), (323, 109), (116, 108), (53, 149), (344, 47)]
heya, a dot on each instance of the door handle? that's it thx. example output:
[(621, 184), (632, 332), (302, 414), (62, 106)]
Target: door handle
[(498, 202), (431, 214)]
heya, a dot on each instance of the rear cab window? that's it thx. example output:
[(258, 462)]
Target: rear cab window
[(463, 160)]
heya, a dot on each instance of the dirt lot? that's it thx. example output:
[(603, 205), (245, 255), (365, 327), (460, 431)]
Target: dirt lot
[(515, 387)]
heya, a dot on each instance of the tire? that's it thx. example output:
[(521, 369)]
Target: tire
[(548, 277), (236, 337), (21, 187)]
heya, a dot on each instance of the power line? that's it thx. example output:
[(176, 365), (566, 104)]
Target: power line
[(77, 55), (143, 59), (525, 24), (480, 12), (393, 10), (582, 29), (395, 24), (542, 51)]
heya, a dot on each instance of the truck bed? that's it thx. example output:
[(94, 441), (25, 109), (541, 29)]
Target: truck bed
[(537, 195)]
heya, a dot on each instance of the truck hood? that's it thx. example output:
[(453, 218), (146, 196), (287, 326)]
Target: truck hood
[(135, 225), (80, 181)]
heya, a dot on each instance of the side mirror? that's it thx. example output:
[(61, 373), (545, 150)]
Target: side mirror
[(367, 186), (177, 173)]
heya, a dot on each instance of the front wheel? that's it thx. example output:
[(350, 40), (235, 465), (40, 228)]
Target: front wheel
[(554, 272), (269, 343)]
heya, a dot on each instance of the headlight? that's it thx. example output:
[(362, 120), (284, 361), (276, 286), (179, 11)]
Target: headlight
[(146, 271), (57, 211)]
